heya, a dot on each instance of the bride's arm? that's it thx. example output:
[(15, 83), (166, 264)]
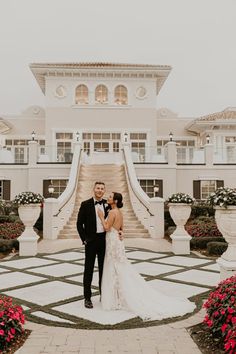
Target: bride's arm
[(107, 224)]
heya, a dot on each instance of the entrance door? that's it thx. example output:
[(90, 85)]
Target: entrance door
[(101, 146)]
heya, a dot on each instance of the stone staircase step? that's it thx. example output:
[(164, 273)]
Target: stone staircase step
[(115, 180)]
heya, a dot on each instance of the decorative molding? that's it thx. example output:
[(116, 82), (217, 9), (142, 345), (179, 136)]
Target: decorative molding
[(60, 92), (141, 93)]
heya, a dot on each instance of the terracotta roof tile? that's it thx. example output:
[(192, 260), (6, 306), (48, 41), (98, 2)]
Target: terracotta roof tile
[(224, 115)]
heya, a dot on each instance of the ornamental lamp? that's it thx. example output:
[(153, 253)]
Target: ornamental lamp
[(33, 135), (171, 136)]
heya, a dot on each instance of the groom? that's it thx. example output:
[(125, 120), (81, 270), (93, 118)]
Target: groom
[(92, 234)]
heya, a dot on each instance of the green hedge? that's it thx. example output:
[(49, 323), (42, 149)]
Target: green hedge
[(216, 248), (201, 242), (8, 245)]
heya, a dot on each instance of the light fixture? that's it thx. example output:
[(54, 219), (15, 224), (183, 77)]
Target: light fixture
[(77, 136), (126, 137), (33, 135), (51, 189), (208, 139), (171, 136), (156, 189)]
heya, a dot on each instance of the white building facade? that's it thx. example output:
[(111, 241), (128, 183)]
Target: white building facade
[(101, 105)]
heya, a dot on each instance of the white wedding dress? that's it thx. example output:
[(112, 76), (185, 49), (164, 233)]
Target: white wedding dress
[(124, 288)]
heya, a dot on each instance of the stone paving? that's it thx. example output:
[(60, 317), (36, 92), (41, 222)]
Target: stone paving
[(49, 287)]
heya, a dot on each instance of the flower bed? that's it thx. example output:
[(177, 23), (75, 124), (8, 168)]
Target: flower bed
[(221, 313), (203, 227), (10, 230), (28, 198), (11, 322), (222, 197)]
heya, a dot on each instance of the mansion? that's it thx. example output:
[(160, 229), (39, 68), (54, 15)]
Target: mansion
[(101, 107)]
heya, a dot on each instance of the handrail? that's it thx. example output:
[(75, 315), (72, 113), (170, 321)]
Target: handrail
[(72, 180), (131, 184)]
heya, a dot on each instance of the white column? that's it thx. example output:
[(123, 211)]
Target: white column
[(172, 153), (33, 152), (208, 152), (156, 227), (50, 228)]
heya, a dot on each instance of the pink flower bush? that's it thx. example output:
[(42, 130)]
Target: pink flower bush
[(10, 230), (11, 321), (221, 313)]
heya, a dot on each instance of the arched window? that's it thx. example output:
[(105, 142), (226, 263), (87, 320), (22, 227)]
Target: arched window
[(101, 94), (121, 94), (81, 95)]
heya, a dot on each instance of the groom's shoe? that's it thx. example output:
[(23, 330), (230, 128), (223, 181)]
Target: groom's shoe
[(88, 304)]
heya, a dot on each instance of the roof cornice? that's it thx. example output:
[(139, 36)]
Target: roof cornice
[(100, 70)]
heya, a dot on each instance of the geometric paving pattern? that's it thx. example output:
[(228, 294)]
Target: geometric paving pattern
[(50, 286)]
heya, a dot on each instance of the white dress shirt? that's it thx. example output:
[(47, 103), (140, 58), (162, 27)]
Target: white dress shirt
[(100, 227)]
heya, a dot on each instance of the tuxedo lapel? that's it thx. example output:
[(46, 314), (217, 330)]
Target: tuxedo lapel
[(92, 212)]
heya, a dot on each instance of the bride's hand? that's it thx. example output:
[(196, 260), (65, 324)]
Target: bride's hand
[(121, 235), (100, 214)]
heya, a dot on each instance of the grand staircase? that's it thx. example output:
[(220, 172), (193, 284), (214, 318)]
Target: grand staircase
[(115, 180)]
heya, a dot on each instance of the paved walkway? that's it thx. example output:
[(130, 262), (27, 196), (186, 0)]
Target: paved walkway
[(34, 281)]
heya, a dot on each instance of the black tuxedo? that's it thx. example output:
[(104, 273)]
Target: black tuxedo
[(95, 243)]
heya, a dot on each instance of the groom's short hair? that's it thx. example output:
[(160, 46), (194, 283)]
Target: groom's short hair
[(99, 182)]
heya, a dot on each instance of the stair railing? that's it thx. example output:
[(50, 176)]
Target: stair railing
[(58, 211), (150, 211)]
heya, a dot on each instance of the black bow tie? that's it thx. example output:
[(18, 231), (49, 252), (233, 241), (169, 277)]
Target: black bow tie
[(98, 202)]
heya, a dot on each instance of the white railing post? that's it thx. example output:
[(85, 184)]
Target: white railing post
[(33, 152), (58, 211), (171, 153), (50, 229), (209, 154), (157, 217)]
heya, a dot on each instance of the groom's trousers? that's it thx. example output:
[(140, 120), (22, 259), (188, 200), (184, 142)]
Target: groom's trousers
[(96, 247)]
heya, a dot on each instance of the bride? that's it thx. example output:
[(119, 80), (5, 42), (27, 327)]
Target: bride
[(122, 286)]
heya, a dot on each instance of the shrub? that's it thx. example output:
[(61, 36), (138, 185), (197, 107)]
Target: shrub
[(11, 230), (201, 208), (7, 207), (216, 248), (11, 322), (8, 245), (9, 218), (221, 313), (201, 242), (199, 228)]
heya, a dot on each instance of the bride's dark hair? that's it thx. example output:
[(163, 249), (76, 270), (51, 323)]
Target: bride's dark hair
[(118, 197)]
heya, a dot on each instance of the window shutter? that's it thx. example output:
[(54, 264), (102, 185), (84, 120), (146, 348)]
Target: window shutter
[(7, 190), (219, 183), (160, 184), (196, 189), (46, 183)]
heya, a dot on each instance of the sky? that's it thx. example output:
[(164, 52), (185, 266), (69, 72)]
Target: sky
[(195, 37)]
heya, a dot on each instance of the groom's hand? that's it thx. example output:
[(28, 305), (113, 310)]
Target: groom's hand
[(121, 235)]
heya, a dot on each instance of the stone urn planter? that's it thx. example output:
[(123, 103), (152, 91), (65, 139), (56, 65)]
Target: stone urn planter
[(28, 214), (180, 213), (224, 202), (29, 209), (226, 223)]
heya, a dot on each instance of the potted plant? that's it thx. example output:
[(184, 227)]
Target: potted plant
[(180, 210), (224, 202), (29, 204)]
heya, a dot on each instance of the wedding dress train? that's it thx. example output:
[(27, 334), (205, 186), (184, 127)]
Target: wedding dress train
[(124, 288)]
